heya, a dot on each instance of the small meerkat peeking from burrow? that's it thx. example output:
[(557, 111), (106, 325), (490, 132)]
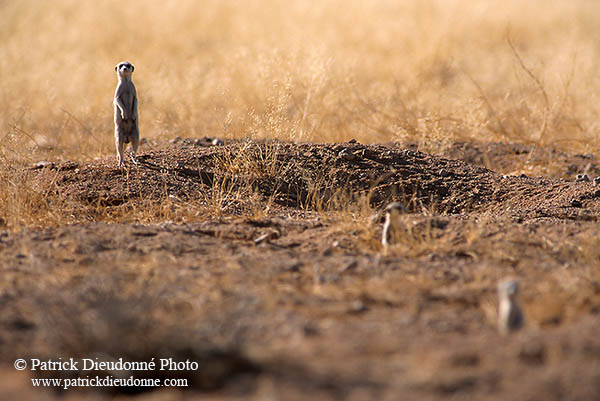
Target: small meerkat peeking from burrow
[(510, 316), (126, 112), (391, 212)]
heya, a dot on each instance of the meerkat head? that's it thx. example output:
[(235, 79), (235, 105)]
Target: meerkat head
[(124, 69), (395, 207), (508, 289)]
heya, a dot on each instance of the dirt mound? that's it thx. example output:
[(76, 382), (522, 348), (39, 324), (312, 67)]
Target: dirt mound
[(309, 176), (509, 158)]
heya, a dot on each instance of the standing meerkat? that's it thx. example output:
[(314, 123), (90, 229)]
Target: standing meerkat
[(391, 211), (510, 316), (126, 112)]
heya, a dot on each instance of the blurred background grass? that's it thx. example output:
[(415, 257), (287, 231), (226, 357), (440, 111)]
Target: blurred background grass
[(431, 72)]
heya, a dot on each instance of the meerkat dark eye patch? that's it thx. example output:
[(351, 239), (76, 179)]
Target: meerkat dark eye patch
[(124, 67)]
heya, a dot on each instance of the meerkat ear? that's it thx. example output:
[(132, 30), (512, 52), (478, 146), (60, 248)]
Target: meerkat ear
[(117, 67), (132, 68)]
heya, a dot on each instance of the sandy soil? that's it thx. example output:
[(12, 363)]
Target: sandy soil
[(299, 300)]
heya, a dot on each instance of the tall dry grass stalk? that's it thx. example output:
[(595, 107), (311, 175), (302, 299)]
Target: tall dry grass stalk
[(425, 71)]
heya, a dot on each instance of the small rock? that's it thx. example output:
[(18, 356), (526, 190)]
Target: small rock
[(465, 359), (523, 175), (576, 203), (265, 237), (328, 251), (347, 155), (292, 267), (310, 329), (597, 180), (533, 353), (175, 140), (217, 142), (357, 307), (21, 324), (350, 266), (42, 164), (352, 141), (582, 178), (444, 173)]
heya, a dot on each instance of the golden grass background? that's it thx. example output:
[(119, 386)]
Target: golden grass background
[(425, 71)]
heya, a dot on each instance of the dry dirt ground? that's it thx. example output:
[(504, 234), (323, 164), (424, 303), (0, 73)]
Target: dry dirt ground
[(279, 288)]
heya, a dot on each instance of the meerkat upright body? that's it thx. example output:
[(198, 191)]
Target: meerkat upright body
[(126, 112), (510, 316), (389, 234)]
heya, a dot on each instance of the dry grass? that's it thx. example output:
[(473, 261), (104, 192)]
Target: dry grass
[(375, 71)]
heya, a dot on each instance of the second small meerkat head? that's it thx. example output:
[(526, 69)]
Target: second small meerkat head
[(395, 207), (124, 69), (508, 289), (392, 208)]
